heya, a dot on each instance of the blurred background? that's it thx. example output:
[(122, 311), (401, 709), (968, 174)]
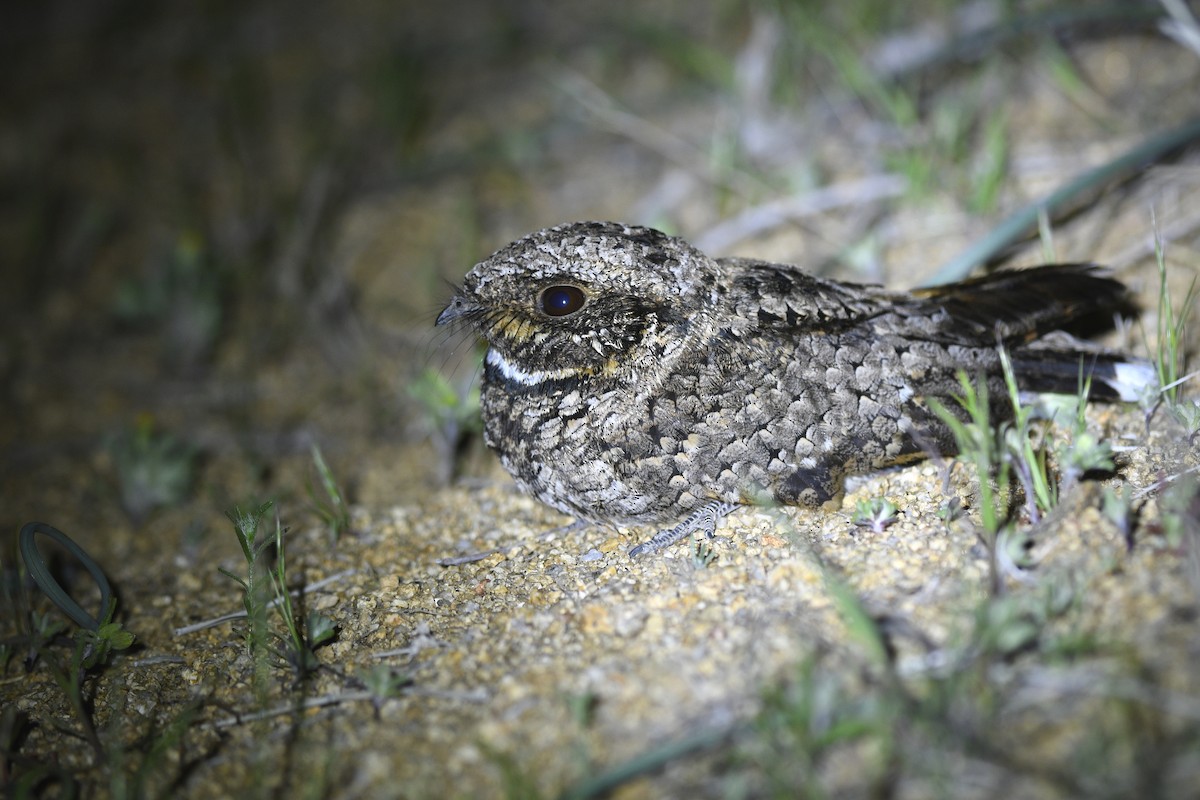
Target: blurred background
[(227, 227)]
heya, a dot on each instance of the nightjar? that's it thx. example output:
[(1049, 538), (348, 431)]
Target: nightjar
[(630, 378)]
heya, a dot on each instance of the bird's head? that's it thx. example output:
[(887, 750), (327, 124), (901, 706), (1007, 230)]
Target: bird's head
[(587, 299)]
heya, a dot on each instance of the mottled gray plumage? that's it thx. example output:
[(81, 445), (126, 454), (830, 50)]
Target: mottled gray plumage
[(631, 379)]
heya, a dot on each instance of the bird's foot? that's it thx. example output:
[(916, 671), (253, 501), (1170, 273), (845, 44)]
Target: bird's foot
[(704, 519)]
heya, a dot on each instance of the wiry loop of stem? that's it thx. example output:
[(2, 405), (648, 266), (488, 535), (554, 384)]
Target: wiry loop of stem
[(40, 572)]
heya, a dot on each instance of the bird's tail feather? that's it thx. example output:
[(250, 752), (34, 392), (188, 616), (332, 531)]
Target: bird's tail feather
[(1113, 376)]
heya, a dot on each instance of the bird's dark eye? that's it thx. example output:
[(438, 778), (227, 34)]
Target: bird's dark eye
[(558, 301)]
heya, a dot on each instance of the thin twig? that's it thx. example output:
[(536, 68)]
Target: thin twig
[(309, 703), (774, 213), (1163, 483), (308, 588), (149, 661), (470, 558), (472, 696)]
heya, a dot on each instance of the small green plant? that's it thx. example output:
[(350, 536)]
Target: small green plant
[(301, 642), (981, 447), (1082, 452), (1027, 456), (331, 509), (704, 555), (318, 629), (1002, 457), (1005, 627), (154, 469), (98, 636), (384, 682), (806, 721), (261, 583), (1017, 451), (179, 296), (451, 416), (876, 513), (254, 589), (1170, 355), (1188, 414)]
